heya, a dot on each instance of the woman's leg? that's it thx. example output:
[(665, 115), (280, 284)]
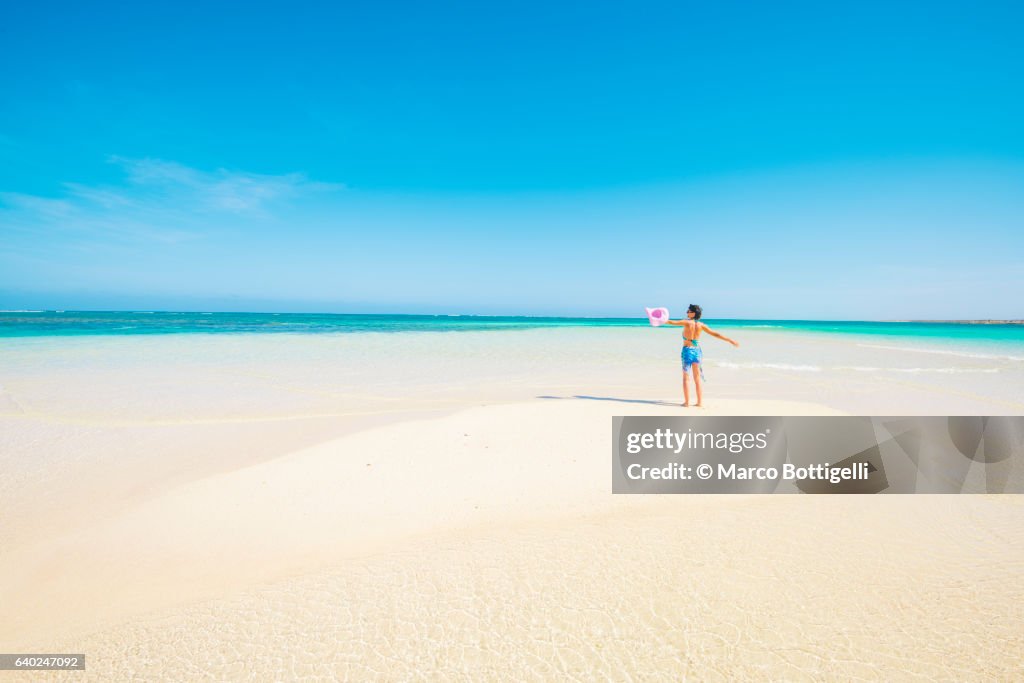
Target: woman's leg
[(696, 381), (686, 390)]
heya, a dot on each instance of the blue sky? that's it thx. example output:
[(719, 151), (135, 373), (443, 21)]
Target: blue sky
[(782, 160)]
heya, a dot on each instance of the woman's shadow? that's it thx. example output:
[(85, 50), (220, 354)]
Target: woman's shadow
[(613, 398)]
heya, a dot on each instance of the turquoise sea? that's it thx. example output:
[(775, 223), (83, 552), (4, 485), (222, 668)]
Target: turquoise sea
[(858, 367), (74, 323)]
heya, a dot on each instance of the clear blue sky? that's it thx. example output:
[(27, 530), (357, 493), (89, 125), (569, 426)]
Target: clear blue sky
[(792, 160)]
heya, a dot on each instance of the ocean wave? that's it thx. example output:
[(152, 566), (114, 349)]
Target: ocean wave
[(855, 368), (771, 366), (941, 352), (945, 371)]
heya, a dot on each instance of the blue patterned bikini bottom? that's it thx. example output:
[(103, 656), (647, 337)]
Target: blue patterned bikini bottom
[(691, 355)]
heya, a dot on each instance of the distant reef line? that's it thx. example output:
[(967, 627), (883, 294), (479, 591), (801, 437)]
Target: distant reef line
[(973, 322)]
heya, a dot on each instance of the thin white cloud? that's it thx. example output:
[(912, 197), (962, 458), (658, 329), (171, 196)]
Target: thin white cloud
[(220, 190), (158, 201)]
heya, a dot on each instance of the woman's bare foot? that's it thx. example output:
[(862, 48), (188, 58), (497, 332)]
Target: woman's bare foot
[(686, 405), (699, 405)]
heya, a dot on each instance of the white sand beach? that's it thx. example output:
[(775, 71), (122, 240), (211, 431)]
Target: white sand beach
[(402, 507)]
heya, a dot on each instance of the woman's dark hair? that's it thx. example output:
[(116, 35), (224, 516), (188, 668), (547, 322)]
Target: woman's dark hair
[(695, 309)]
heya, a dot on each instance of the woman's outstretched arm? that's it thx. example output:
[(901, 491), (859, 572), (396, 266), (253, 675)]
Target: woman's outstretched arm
[(720, 336)]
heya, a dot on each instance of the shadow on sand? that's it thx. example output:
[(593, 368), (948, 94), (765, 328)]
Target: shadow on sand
[(613, 398)]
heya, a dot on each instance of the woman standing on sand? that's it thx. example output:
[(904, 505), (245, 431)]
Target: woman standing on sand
[(692, 355)]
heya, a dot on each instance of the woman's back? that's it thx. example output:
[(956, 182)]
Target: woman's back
[(691, 332)]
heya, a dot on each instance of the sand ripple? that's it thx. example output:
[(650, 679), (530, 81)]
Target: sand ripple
[(782, 588)]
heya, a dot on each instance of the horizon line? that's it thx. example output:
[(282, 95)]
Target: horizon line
[(1010, 321)]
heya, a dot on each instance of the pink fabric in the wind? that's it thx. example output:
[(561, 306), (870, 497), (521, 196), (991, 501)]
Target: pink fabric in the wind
[(657, 316)]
